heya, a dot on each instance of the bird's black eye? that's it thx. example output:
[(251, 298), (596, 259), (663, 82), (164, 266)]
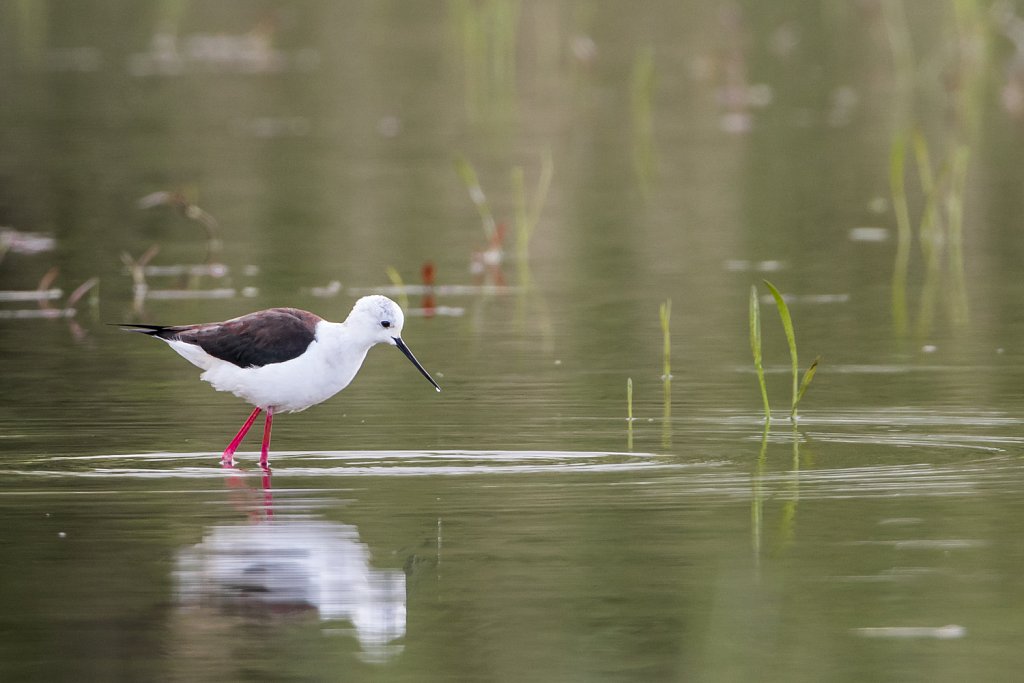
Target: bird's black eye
[(385, 323)]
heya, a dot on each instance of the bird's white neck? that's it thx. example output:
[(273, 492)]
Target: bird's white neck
[(342, 347)]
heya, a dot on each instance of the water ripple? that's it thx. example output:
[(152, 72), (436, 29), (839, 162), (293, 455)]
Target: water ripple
[(353, 463)]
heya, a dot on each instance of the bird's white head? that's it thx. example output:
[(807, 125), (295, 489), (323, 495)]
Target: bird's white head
[(380, 321), (378, 318)]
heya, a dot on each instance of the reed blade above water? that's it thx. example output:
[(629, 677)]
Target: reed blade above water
[(799, 386)]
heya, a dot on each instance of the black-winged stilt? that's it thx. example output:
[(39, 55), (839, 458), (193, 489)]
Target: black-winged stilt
[(285, 359)]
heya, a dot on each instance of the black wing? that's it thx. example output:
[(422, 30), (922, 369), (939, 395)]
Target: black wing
[(272, 336)]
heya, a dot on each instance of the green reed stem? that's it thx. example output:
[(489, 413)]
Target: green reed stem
[(755, 347), (787, 325)]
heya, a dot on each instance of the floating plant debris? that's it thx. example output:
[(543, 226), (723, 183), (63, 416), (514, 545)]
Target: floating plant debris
[(37, 313), (332, 288), (179, 201), (246, 53), (269, 127), (427, 312), (868, 234), (216, 270), (51, 294), (189, 294), (743, 266), (448, 290), (809, 298), (19, 242), (948, 632)]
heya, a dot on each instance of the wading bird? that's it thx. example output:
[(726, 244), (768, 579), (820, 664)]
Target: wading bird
[(283, 360)]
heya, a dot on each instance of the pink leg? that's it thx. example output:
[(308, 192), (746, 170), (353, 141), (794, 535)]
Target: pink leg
[(265, 453), (228, 459)]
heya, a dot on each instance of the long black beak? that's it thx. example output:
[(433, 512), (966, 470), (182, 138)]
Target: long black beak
[(408, 354)]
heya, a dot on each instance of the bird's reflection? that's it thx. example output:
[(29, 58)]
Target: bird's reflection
[(280, 566)]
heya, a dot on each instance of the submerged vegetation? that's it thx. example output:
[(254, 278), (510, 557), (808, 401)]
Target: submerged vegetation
[(939, 232), (476, 194), (641, 87), (181, 202), (528, 210), (488, 33)]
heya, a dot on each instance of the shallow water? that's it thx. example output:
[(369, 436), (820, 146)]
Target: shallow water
[(446, 564), (514, 526)]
